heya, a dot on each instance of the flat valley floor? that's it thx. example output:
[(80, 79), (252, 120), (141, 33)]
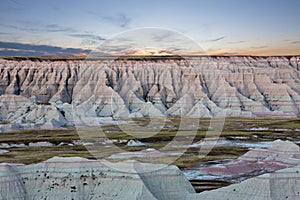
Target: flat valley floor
[(239, 135)]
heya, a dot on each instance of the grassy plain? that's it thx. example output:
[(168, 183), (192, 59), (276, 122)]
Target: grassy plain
[(247, 128)]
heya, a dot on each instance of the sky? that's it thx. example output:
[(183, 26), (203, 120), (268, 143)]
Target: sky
[(109, 27)]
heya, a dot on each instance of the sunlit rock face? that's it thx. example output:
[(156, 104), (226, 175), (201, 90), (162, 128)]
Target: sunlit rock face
[(79, 178), (194, 86)]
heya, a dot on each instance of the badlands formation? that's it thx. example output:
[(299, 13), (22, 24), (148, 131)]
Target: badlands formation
[(80, 178), (47, 94), (55, 94)]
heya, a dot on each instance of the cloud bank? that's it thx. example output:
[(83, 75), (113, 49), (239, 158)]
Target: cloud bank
[(19, 49)]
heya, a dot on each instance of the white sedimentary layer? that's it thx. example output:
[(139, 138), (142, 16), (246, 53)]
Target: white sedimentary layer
[(79, 178)]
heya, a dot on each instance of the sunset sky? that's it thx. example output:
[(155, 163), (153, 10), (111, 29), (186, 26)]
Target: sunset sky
[(73, 27)]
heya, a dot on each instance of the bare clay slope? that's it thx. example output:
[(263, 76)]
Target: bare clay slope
[(198, 87)]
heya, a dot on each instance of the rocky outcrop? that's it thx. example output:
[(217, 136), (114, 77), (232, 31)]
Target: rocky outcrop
[(195, 86), (279, 155), (282, 184), (17, 112), (79, 178)]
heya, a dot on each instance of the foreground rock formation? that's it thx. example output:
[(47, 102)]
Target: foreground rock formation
[(79, 178), (282, 184), (44, 93)]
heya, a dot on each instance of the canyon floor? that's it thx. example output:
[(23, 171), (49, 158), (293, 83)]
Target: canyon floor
[(238, 137)]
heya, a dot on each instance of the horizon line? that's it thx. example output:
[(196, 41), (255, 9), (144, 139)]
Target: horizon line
[(133, 57)]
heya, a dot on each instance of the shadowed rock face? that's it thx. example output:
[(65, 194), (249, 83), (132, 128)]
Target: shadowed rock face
[(196, 87)]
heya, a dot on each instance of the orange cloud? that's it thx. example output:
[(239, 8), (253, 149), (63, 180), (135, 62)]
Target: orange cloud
[(150, 53), (80, 54)]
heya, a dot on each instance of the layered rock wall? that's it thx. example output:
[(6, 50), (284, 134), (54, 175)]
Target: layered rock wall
[(195, 86)]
